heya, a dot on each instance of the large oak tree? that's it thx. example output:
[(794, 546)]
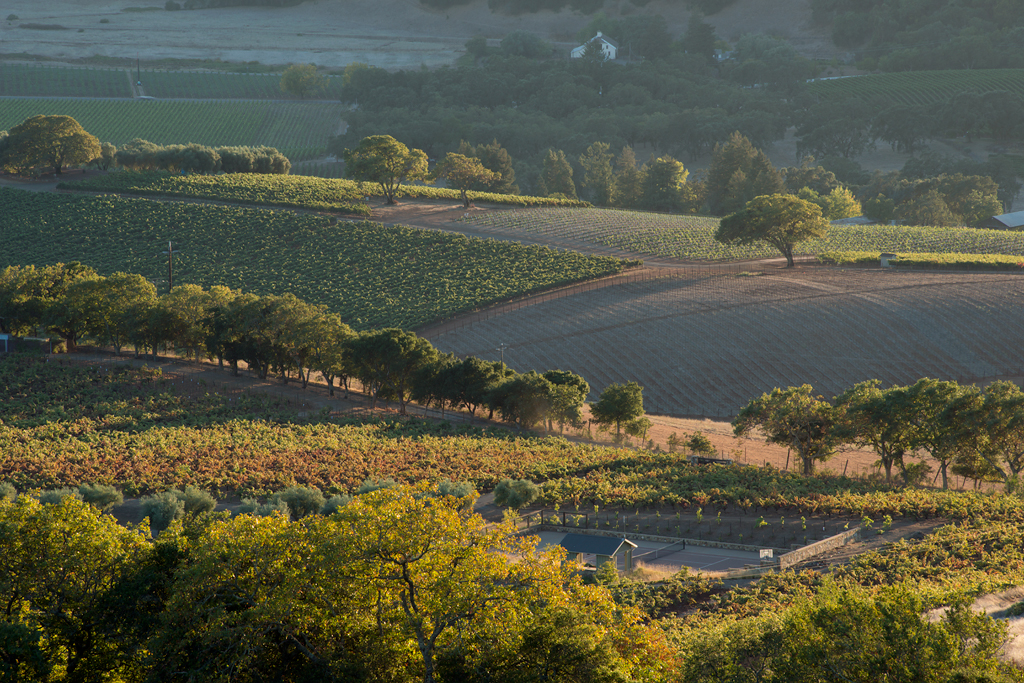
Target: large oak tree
[(52, 141), (781, 220)]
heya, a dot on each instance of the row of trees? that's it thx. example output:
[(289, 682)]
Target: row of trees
[(287, 336), (971, 432), (54, 142), (142, 155)]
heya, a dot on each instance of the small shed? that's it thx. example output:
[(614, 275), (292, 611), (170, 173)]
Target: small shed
[(1006, 221), (606, 548), (609, 48)]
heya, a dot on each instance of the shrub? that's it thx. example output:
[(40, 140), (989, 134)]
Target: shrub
[(515, 494), (171, 6), (162, 509), (100, 495), (251, 506), (301, 501), (7, 491), (1015, 610), (335, 503), (196, 501), (55, 496)]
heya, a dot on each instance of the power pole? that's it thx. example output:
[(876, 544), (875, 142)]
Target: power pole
[(170, 266)]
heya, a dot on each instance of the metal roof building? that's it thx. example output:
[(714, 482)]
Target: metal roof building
[(606, 548), (1006, 221)]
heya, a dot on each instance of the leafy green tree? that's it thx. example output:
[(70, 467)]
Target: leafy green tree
[(68, 309), (118, 301), (51, 141), (525, 44), (618, 404), (569, 393), (1000, 417), (386, 362), (794, 418), (700, 36), (476, 379), (627, 185), (941, 425), (61, 575), (879, 418), (463, 174), (384, 160), (556, 178), (905, 127), (302, 80), (328, 340), (597, 173), (477, 46), (494, 158), (523, 400), (839, 203), (663, 181), (738, 173), (781, 220), (927, 209)]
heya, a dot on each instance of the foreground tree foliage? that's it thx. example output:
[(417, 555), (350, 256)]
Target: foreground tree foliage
[(48, 141), (398, 585), (384, 160), (781, 220)]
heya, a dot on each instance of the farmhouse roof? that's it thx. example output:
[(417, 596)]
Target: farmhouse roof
[(1006, 220), (603, 38), (594, 545)]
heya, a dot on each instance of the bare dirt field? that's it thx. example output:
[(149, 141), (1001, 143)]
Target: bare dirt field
[(704, 342), (333, 33)]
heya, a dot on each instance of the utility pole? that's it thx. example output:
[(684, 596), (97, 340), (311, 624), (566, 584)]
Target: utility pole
[(502, 349), (170, 266)]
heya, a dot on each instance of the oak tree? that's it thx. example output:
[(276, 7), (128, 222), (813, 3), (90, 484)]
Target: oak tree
[(384, 160), (781, 220)]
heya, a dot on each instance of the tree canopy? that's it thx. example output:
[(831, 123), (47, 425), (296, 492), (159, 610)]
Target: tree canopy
[(781, 220), (463, 174), (48, 141), (384, 160), (794, 418)]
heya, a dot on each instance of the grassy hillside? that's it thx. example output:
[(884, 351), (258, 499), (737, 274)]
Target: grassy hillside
[(298, 129), (374, 276)]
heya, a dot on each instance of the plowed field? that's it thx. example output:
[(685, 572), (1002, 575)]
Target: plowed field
[(704, 341)]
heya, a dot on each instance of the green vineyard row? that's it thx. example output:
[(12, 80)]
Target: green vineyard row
[(691, 238), (372, 275), (920, 87), (949, 260), (308, 192)]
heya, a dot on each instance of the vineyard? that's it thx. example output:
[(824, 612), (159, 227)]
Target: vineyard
[(691, 238), (372, 275), (704, 341), (927, 260), (243, 188), (919, 87), (301, 191), (22, 80), (299, 130), (203, 85)]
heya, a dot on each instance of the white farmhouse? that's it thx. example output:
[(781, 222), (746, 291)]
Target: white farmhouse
[(609, 48)]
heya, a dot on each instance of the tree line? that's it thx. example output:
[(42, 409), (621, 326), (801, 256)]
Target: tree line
[(969, 431), (53, 142), (284, 335)]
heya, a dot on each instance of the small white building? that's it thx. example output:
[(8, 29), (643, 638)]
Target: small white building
[(609, 48)]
